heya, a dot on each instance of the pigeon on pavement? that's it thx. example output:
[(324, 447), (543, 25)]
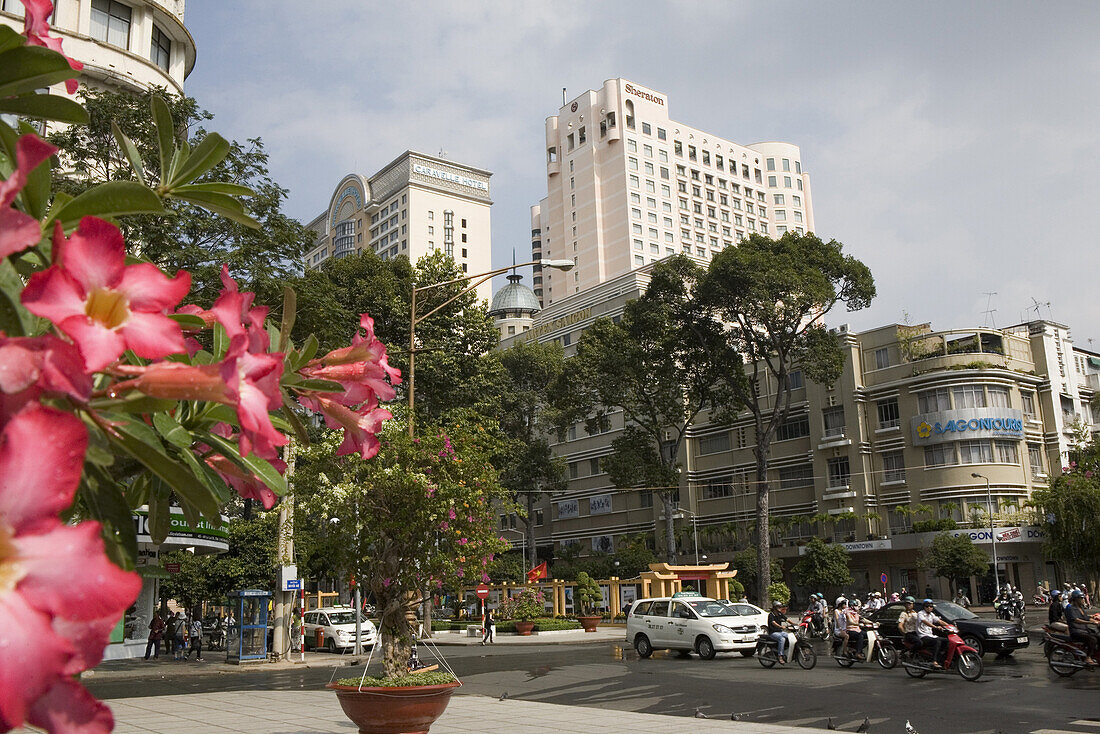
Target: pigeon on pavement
[(865, 726), (831, 725), (909, 728), (700, 715), (504, 695)]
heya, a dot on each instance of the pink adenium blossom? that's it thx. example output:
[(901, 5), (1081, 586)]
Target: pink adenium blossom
[(361, 425), (33, 366), (19, 230), (362, 369), (60, 596), (102, 304), (36, 24), (247, 485)]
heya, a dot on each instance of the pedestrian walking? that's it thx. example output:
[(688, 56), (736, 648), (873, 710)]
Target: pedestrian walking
[(490, 627), (179, 636), (156, 633), (195, 630)]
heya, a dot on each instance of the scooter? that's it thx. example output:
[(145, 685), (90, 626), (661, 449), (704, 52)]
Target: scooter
[(1065, 656), (808, 629), (801, 651), (918, 662), (878, 649)]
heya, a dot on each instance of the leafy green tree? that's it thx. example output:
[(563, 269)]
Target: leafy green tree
[(193, 238), (823, 566), (587, 595), (1070, 509), (748, 572), (663, 364), (780, 592), (633, 555), (528, 466), (773, 296), (954, 557)]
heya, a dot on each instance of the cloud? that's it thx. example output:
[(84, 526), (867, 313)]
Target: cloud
[(951, 147)]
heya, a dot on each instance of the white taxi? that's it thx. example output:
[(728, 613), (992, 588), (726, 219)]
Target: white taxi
[(687, 622), (337, 625)]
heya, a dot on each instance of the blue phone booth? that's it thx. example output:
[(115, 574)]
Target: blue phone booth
[(247, 636)]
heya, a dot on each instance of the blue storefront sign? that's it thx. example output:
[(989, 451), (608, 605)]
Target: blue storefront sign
[(956, 425)]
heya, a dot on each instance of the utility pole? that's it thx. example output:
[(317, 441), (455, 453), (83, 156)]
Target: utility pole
[(284, 600)]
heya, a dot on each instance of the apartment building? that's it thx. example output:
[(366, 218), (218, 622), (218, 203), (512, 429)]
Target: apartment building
[(895, 442), (415, 205), (627, 185)]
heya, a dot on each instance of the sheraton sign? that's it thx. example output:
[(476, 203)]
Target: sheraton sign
[(631, 89)]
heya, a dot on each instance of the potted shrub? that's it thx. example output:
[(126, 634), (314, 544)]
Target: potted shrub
[(587, 596), (415, 518), (523, 609)]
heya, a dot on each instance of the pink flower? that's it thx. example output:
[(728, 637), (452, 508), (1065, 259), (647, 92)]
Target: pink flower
[(32, 366), (386, 582), (252, 386), (362, 368), (102, 304), (460, 573), (439, 583), (233, 310), (463, 541), (360, 425), (36, 26), (19, 230), (452, 513), (246, 485), (59, 594), (444, 525), (484, 578)]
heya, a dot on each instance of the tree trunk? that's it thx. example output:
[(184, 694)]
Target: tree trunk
[(670, 534), (396, 630), (763, 530)]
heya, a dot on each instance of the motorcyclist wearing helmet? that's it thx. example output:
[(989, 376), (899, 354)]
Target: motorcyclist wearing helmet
[(927, 621), (777, 628), (853, 627), (1056, 612), (907, 623), (840, 623), (817, 606), (1081, 628)]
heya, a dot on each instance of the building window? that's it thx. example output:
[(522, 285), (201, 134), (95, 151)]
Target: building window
[(940, 455), (1035, 458), (794, 379), (582, 136), (834, 420), (1006, 452), (934, 401), (111, 22), (969, 396), (771, 164), (645, 499), (888, 414), (975, 452), (899, 519), (646, 129), (882, 358), (793, 428), (574, 470), (998, 397), (160, 51), (1027, 403), (893, 467), (792, 477), (449, 233), (839, 473), (594, 466), (718, 488)]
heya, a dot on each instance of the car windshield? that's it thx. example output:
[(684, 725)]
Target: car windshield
[(710, 608), (951, 612), (343, 618)]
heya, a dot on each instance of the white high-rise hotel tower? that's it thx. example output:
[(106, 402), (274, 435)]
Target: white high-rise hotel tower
[(628, 185)]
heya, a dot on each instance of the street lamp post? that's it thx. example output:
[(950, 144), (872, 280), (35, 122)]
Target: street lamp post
[(694, 532), (523, 543), (992, 533), (480, 278)]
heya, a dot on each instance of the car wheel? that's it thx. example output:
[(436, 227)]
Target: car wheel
[(705, 648), (747, 653), (642, 646), (1063, 662), (974, 642), (330, 645), (805, 656), (970, 666), (768, 657)]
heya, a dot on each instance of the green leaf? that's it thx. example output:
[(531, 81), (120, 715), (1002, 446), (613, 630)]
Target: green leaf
[(141, 443), (133, 402), (172, 431), (252, 464), (108, 200), (290, 312), (36, 193), (14, 319), (130, 150), (10, 38), (220, 414), (160, 513), (307, 352), (216, 187), (320, 386), (221, 342), (99, 451), (295, 422), (188, 321), (27, 68), (45, 107), (222, 204), (207, 154), (138, 492), (105, 502), (166, 134)]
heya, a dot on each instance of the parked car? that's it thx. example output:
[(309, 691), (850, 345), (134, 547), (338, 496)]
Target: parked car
[(338, 627), (694, 623), (984, 635)]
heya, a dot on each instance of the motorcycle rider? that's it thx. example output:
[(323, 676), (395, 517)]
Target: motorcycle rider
[(907, 623), (818, 607), (854, 628), (1056, 612), (840, 623), (962, 599), (927, 621), (1081, 628), (777, 628)]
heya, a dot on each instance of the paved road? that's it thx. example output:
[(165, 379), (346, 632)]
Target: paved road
[(1017, 695)]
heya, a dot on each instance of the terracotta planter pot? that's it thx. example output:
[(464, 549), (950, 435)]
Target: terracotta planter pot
[(590, 623), (524, 628), (410, 710)]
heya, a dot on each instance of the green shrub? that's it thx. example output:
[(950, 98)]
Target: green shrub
[(587, 594), (431, 678), (779, 592), (934, 526), (734, 589)]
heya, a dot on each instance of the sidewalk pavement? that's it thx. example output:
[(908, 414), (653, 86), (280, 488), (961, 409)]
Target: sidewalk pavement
[(305, 712)]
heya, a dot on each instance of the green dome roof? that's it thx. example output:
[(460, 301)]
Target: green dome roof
[(514, 297)]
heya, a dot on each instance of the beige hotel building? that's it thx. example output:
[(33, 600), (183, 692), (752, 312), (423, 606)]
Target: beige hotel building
[(627, 185), (915, 414), (415, 205)]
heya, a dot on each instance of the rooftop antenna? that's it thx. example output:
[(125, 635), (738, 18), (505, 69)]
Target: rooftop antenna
[(1037, 305), (442, 153), (563, 100), (989, 311)]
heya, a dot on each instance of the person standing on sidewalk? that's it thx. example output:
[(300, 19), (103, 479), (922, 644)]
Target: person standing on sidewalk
[(195, 630), (179, 635), (156, 632), (490, 627)]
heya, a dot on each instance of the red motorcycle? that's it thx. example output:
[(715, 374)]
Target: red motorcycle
[(808, 629), (918, 661), (1065, 656)]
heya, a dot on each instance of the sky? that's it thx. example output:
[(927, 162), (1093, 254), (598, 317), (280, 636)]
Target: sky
[(953, 147)]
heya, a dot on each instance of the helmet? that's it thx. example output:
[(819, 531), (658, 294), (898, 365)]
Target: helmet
[(841, 601), (776, 604), (1076, 594), (926, 602), (909, 600), (1056, 593)]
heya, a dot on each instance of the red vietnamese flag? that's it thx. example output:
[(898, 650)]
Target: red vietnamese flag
[(538, 572)]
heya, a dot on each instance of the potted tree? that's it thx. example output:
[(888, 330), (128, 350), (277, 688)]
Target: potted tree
[(587, 596), (523, 609), (416, 516)]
